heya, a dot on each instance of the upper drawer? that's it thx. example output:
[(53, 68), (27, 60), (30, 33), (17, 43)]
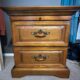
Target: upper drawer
[(24, 35)]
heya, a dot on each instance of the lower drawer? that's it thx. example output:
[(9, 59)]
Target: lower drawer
[(25, 56)]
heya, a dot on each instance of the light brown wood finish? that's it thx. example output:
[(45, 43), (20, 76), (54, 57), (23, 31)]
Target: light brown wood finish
[(40, 39), (57, 35), (27, 56), (60, 72), (40, 18), (46, 10), (61, 52), (53, 65)]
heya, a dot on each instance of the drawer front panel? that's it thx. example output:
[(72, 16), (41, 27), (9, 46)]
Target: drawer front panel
[(25, 35), (38, 33), (41, 57), (40, 18), (36, 56)]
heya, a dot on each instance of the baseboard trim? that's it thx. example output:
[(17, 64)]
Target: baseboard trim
[(8, 54)]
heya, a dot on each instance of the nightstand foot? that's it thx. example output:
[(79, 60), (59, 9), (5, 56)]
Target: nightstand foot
[(58, 72)]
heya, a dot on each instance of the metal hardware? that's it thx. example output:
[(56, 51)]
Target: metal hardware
[(40, 58), (40, 33)]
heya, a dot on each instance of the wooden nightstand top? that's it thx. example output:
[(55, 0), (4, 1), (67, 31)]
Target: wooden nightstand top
[(47, 10)]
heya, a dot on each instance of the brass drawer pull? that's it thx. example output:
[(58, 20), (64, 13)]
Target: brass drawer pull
[(40, 33), (40, 58)]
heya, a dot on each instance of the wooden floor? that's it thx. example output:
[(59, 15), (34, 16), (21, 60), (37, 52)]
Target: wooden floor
[(6, 73)]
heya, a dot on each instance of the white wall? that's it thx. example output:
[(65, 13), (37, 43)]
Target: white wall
[(30, 2)]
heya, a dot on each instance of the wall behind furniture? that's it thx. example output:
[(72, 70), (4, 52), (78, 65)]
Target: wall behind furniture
[(30, 2), (8, 3)]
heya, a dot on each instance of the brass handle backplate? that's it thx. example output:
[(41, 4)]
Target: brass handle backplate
[(40, 57), (40, 33)]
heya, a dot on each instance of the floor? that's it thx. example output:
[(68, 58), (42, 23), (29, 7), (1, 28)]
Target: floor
[(5, 74)]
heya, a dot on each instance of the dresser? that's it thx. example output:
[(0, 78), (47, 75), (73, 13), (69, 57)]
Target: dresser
[(40, 38)]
